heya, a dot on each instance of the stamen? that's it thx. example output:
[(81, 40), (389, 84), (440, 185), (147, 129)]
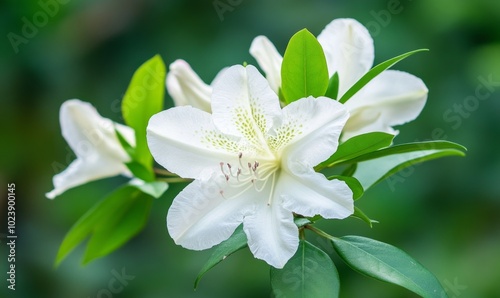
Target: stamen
[(271, 193), (222, 168)]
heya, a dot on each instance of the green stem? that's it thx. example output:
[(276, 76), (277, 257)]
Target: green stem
[(174, 180), (163, 172), (302, 234), (320, 232)]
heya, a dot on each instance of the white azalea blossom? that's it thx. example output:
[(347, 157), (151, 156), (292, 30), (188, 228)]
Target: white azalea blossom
[(98, 152), (252, 163), (392, 98), (186, 87)]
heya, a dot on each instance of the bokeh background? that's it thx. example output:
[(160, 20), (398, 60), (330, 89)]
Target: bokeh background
[(444, 213)]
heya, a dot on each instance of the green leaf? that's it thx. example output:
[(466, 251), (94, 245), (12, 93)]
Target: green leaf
[(309, 273), (333, 86), (387, 263), (154, 188), (358, 145), (123, 213), (126, 217), (140, 171), (353, 183), (234, 243), (358, 213), (378, 165), (144, 98), (303, 70), (372, 73)]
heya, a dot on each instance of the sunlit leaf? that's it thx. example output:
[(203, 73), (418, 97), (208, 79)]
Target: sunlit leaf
[(144, 98), (387, 263), (333, 86), (303, 71)]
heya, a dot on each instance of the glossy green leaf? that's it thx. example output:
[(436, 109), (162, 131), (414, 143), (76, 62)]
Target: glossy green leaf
[(353, 183), (309, 273), (125, 211), (144, 98), (358, 213), (376, 166), (387, 263), (372, 73), (234, 243), (333, 86), (303, 71), (357, 146)]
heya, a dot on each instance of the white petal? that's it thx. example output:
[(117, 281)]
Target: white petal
[(269, 59), (201, 217), (272, 235), (86, 131), (392, 98), (185, 141), (81, 171), (186, 88), (244, 105), (93, 139), (309, 193), (349, 51), (310, 129)]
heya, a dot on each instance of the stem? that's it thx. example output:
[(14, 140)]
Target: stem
[(302, 234), (320, 232), (174, 180), (163, 172)]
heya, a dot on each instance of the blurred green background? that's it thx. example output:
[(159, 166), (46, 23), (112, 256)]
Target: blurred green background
[(444, 213)]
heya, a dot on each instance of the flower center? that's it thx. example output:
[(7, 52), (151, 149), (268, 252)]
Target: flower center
[(247, 174)]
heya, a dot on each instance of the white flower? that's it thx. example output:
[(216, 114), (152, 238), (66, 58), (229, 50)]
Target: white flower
[(186, 87), (252, 163), (390, 99), (99, 154)]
